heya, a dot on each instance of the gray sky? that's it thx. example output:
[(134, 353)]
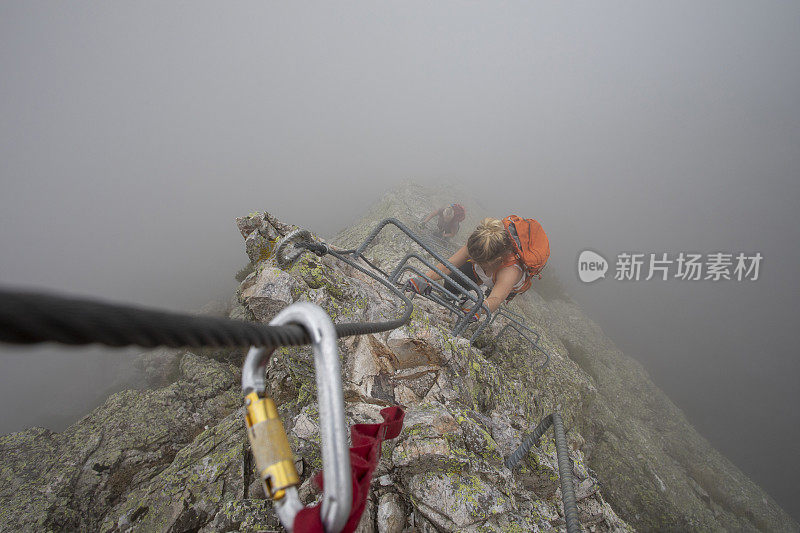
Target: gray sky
[(131, 135)]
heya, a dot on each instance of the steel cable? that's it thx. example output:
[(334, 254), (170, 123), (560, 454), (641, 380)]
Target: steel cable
[(31, 317), (564, 465)]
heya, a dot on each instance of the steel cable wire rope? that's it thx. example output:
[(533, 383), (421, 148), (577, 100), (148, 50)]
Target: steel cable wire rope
[(564, 465), (28, 317)]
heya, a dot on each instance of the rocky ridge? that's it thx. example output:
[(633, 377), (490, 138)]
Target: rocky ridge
[(175, 457)]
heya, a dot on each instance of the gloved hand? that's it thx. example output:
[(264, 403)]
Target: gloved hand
[(474, 317), (419, 285)]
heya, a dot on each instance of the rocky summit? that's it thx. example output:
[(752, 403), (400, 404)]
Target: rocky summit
[(174, 457)]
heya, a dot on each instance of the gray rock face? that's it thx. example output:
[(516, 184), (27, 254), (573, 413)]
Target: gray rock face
[(656, 467), (72, 481), (391, 518), (176, 458), (268, 291), (657, 471)]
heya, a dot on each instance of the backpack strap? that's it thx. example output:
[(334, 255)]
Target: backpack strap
[(512, 232), (511, 260)]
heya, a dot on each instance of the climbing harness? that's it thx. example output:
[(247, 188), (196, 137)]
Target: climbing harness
[(266, 433), (564, 465)]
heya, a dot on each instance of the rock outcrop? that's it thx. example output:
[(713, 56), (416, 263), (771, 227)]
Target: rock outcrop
[(176, 458)]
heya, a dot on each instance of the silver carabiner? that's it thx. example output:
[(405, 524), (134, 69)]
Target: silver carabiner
[(267, 436)]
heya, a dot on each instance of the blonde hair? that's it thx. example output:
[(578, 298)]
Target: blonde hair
[(448, 213), (489, 241)]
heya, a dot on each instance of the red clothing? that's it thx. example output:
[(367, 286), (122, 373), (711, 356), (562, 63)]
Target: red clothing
[(449, 228)]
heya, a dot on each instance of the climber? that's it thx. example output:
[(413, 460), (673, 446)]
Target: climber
[(502, 255), (448, 220)]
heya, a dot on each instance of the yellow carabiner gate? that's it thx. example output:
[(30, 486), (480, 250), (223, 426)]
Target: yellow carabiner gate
[(270, 446)]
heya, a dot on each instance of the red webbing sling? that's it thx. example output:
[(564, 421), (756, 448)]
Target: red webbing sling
[(364, 456)]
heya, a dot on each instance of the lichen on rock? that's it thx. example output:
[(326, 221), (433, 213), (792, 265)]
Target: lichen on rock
[(175, 457)]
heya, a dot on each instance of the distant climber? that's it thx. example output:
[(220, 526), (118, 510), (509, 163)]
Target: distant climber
[(448, 220), (502, 255)]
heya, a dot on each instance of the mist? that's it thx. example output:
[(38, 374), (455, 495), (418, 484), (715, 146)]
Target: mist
[(131, 136)]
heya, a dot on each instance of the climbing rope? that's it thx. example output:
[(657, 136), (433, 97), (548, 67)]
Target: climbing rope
[(564, 465)]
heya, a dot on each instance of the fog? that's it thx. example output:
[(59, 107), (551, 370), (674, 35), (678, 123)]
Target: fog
[(132, 135)]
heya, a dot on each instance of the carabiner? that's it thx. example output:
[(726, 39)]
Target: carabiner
[(268, 441)]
